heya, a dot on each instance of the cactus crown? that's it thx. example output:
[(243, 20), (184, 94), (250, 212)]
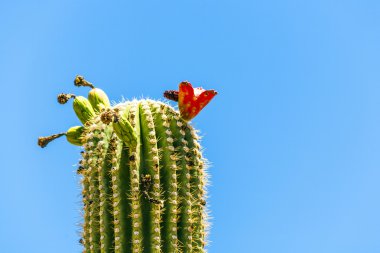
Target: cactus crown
[(142, 173)]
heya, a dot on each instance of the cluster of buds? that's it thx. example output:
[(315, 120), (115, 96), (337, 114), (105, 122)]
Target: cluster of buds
[(190, 102)]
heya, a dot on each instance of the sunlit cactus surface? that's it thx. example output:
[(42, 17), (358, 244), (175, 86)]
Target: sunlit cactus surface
[(142, 172)]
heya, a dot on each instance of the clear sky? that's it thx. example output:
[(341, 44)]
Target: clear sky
[(293, 135)]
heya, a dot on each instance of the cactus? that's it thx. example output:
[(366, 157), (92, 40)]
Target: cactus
[(142, 173)]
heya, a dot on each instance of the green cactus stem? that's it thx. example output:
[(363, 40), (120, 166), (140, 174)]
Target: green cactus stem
[(143, 177)]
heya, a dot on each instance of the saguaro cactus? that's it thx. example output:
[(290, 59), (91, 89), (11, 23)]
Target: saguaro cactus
[(143, 174)]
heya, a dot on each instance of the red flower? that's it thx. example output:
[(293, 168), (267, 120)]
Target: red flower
[(191, 101)]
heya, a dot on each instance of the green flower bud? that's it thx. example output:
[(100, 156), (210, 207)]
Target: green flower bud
[(74, 135), (83, 109), (98, 99)]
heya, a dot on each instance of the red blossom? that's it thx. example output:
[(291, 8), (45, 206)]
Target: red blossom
[(192, 100)]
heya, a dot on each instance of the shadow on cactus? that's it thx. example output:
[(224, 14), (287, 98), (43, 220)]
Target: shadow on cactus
[(143, 174)]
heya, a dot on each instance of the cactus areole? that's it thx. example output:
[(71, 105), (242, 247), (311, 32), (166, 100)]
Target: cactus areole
[(142, 172)]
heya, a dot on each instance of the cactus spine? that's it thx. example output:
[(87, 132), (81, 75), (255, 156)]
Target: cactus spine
[(143, 176)]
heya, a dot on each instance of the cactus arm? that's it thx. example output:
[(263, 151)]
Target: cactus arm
[(185, 223), (168, 177), (197, 182), (93, 137), (106, 209), (116, 147), (123, 222), (151, 200), (134, 161), (94, 207), (121, 188), (86, 204)]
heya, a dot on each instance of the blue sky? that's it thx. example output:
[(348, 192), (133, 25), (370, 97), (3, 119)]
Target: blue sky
[(293, 135)]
